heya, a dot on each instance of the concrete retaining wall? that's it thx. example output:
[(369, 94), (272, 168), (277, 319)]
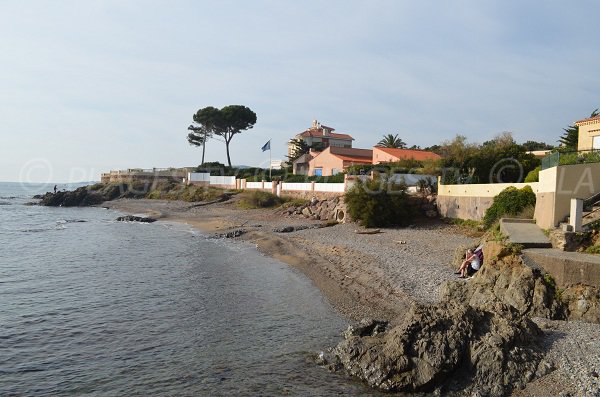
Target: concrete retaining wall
[(471, 201)]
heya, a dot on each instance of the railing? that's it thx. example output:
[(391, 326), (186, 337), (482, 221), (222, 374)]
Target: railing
[(589, 202), (551, 160), (571, 157)]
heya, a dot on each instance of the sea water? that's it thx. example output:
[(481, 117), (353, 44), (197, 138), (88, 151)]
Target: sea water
[(94, 307)]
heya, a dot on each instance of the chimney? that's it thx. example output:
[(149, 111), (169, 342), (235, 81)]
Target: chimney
[(315, 124), (326, 131)]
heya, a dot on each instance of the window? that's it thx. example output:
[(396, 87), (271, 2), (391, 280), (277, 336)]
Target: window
[(596, 142), (318, 171)]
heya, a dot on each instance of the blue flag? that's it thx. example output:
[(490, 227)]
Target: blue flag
[(267, 146)]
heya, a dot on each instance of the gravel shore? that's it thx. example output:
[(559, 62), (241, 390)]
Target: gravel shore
[(381, 275)]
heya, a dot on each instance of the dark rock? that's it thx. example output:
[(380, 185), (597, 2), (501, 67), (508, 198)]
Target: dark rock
[(132, 218), (450, 346), (285, 229), (366, 327), (231, 234), (77, 198)]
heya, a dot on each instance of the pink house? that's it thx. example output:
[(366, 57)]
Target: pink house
[(334, 160)]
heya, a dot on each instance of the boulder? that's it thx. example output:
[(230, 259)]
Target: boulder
[(582, 303), (133, 218), (446, 347), (306, 212), (505, 279)]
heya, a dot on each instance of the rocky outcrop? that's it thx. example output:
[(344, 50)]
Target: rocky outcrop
[(478, 340), (133, 218), (505, 279), (449, 347), (581, 302), (77, 198), (324, 210), (90, 195)]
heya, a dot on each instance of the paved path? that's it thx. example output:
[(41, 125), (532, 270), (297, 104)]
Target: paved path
[(524, 232)]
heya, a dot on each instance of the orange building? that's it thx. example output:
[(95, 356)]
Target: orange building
[(334, 160), (390, 155)]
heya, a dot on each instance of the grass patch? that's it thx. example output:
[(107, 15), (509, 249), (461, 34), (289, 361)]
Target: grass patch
[(294, 202), (188, 193), (259, 199), (494, 234)]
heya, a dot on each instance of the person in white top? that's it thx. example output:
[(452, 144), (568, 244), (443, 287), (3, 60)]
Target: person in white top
[(470, 265)]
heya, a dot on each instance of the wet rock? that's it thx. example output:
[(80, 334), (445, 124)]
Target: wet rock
[(231, 234), (285, 229), (133, 218)]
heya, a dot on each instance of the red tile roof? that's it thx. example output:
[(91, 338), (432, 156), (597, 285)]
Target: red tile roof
[(363, 156), (410, 153), (355, 159), (588, 119), (318, 132)]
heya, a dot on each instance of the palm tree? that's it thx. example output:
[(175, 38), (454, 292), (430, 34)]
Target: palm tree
[(392, 141)]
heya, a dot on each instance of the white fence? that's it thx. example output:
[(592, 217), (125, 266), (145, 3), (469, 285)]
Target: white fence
[(222, 180), (329, 187), (306, 187), (204, 177), (198, 177)]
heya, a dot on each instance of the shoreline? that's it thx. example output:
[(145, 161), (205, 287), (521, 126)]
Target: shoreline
[(378, 276), (353, 277)]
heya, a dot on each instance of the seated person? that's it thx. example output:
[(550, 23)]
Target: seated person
[(470, 265)]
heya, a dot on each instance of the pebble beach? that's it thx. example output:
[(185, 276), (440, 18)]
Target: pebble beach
[(381, 275)]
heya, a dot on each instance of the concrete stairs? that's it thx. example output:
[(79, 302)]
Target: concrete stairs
[(524, 232)]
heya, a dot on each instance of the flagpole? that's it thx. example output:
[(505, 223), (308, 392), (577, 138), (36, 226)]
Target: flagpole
[(270, 162)]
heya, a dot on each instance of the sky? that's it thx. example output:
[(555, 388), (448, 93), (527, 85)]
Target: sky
[(91, 86)]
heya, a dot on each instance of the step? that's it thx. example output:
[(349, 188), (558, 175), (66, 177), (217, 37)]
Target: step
[(524, 232), (567, 268)]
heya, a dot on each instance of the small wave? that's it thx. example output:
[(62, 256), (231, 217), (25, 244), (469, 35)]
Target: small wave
[(63, 221), (8, 197), (5, 203)]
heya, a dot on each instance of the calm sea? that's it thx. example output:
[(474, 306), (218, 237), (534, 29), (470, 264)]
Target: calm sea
[(90, 306)]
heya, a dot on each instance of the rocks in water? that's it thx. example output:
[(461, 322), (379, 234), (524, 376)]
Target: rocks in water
[(230, 234), (76, 198), (133, 218), (449, 347)]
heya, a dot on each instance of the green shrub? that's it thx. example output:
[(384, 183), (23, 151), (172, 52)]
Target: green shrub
[(378, 202), (511, 201), (96, 187), (594, 249), (533, 175), (259, 199)]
